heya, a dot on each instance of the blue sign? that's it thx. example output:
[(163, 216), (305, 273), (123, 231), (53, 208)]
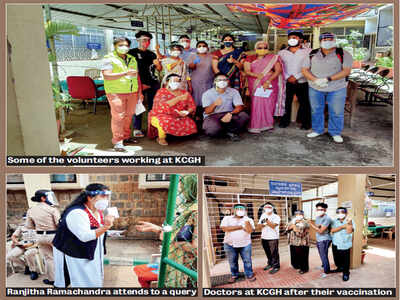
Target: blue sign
[(95, 46), (284, 188)]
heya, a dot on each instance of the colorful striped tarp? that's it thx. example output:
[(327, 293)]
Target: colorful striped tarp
[(302, 15)]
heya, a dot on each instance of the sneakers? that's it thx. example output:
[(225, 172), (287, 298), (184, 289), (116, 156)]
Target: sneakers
[(138, 133), (267, 267), (323, 275), (273, 271), (119, 147), (252, 278), (313, 134), (337, 139), (346, 277)]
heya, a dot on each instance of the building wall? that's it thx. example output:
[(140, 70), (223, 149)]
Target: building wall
[(133, 204)]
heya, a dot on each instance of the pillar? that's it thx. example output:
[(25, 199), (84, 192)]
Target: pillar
[(34, 182), (206, 247), (315, 41), (109, 37), (351, 189), (31, 118)]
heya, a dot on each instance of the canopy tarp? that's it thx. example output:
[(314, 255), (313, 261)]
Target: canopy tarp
[(302, 15)]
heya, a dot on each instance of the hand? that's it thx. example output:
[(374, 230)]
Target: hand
[(147, 227), (132, 73), (292, 79), (227, 118), (260, 76), (267, 85), (218, 102), (247, 226), (109, 221), (349, 221), (231, 60), (321, 82)]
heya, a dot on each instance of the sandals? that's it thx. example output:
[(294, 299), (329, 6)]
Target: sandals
[(162, 142)]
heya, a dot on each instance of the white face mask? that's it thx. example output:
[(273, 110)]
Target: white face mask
[(123, 49), (268, 210), (341, 216), (175, 53), (185, 44), (221, 84), (101, 204), (320, 213), (300, 217), (293, 42), (202, 50), (240, 213), (173, 85), (328, 44)]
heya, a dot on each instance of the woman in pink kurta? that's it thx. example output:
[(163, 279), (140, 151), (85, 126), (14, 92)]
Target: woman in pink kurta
[(172, 111), (264, 72)]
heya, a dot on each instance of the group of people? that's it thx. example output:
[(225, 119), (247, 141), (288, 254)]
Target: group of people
[(203, 89), (337, 231)]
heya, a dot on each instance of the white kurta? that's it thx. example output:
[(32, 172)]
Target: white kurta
[(82, 272)]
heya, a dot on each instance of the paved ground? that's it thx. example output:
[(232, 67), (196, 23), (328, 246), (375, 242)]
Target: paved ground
[(368, 143), (377, 271)]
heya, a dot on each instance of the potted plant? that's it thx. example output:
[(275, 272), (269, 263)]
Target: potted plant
[(62, 103), (385, 62)]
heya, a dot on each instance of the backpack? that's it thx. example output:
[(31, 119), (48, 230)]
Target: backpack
[(339, 54)]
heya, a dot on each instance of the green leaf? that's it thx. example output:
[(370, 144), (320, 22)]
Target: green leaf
[(55, 29)]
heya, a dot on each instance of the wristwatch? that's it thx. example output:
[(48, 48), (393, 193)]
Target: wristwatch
[(329, 78)]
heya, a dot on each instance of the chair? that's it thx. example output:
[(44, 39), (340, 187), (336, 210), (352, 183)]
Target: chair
[(375, 83), (390, 232), (84, 88), (93, 73)]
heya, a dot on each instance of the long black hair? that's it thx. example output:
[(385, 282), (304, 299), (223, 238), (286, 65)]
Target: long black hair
[(82, 197)]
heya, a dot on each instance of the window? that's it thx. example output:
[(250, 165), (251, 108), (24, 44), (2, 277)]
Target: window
[(57, 181), (154, 181)]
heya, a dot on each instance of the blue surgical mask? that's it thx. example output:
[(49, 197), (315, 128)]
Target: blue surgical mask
[(228, 44)]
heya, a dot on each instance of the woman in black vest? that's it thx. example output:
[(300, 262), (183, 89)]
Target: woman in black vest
[(79, 244)]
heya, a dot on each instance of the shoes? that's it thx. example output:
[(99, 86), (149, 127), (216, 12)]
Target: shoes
[(27, 271), (232, 279), (323, 275), (138, 133), (305, 127), (34, 275), (119, 147), (46, 281), (233, 136), (267, 267), (252, 278), (313, 135), (131, 141), (273, 271), (346, 277), (337, 139), (338, 270)]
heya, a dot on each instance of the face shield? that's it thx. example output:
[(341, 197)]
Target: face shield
[(104, 194), (240, 210), (51, 199)]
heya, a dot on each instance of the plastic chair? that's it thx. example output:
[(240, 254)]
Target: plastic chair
[(84, 88)]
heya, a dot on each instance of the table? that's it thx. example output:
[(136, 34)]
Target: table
[(377, 230)]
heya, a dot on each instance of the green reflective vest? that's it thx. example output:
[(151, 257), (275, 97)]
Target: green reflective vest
[(121, 85)]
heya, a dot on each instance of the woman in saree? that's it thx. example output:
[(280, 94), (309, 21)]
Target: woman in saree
[(171, 112), (266, 86), (228, 60), (183, 248)]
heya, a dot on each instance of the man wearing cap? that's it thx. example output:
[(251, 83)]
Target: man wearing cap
[(184, 41), (270, 237), (296, 83), (342, 241), (237, 241), (326, 70), (150, 85)]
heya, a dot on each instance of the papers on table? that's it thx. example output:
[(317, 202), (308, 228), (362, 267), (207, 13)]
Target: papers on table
[(260, 92)]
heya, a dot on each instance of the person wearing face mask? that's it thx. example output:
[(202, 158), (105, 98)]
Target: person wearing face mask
[(149, 81), (44, 217), (187, 51), (123, 91), (264, 72), (174, 64), (326, 70), (202, 75), (237, 241), (172, 112), (223, 110), (342, 241), (229, 60), (322, 227), (269, 222), (296, 83), (79, 244), (299, 242)]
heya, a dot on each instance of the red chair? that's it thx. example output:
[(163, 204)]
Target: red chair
[(84, 88)]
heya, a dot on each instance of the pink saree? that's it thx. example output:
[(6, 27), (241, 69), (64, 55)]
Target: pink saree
[(264, 109)]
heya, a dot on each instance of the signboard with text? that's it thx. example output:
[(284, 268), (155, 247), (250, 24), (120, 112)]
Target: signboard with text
[(285, 188)]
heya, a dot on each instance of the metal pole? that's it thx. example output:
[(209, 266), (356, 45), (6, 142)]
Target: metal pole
[(169, 220), (147, 24), (287, 211), (163, 26), (156, 27), (169, 24)]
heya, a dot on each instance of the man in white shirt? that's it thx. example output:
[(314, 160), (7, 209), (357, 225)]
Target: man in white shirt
[(237, 240), (296, 83), (270, 237)]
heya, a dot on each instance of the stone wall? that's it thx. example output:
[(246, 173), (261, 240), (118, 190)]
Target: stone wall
[(133, 204)]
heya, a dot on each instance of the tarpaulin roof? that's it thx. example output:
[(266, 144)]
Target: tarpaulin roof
[(302, 15)]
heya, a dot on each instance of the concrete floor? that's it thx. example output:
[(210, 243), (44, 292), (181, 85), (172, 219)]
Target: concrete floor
[(118, 273), (368, 143), (379, 266)]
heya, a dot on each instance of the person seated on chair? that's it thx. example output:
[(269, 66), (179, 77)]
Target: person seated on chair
[(223, 109), (171, 111), (24, 244)]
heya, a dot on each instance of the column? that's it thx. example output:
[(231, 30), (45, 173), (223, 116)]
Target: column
[(315, 41), (109, 37), (34, 182)]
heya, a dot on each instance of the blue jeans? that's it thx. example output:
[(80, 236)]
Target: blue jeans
[(336, 101), (233, 257), (323, 248)]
